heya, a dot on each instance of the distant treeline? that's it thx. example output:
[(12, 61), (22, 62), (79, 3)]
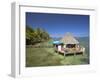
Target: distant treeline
[(35, 35)]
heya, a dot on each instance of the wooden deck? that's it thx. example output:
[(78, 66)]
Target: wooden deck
[(72, 51)]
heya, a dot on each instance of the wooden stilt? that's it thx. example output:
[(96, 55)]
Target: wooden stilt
[(74, 54), (64, 54)]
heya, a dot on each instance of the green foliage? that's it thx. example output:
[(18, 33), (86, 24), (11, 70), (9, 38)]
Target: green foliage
[(36, 35)]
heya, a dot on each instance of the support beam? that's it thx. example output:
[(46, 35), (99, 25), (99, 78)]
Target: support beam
[(64, 54)]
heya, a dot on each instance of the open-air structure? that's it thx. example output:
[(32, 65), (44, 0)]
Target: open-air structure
[(69, 45)]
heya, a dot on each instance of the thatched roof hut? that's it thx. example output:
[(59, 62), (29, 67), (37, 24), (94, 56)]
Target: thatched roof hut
[(69, 39), (69, 45)]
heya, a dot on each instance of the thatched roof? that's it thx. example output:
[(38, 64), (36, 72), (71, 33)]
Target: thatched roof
[(69, 39)]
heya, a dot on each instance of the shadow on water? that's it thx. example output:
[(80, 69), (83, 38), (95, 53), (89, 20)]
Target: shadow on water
[(71, 54)]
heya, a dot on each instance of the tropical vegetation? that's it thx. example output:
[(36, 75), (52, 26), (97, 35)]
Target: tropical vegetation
[(36, 35)]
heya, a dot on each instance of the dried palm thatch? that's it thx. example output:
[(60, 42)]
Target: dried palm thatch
[(69, 39)]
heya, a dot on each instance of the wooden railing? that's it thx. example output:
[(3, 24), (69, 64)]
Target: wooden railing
[(71, 50)]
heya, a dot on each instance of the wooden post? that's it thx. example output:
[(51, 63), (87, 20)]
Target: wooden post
[(64, 54), (74, 54), (83, 51), (74, 57)]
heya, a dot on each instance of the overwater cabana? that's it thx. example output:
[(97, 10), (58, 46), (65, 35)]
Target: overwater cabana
[(69, 45)]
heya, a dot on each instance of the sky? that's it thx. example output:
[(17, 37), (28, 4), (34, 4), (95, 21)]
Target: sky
[(58, 25)]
